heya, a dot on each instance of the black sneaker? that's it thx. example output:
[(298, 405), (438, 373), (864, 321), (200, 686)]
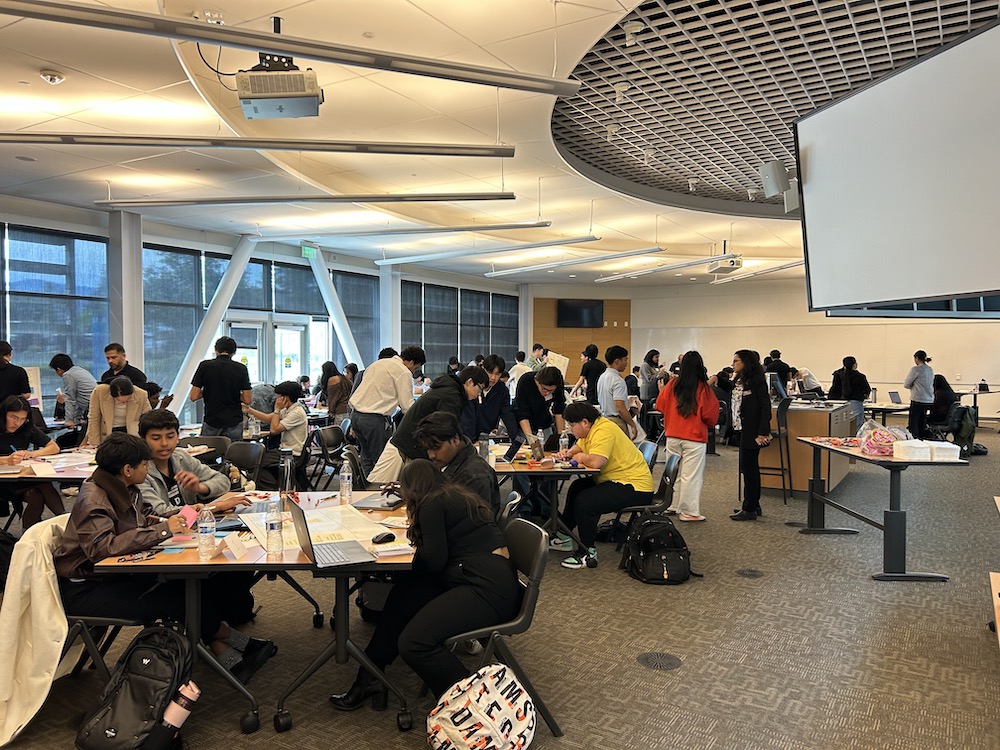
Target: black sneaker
[(255, 655)]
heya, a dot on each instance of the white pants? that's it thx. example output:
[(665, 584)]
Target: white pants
[(388, 466), (687, 492)]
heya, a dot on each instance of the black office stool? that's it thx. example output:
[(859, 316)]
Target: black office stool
[(784, 452)]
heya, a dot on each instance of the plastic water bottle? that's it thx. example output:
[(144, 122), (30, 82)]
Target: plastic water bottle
[(564, 442), (286, 478), (346, 483), (206, 534), (540, 436), (484, 446), (272, 523)]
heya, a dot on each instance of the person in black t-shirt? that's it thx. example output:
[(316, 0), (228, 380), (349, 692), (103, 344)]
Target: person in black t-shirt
[(118, 366), (21, 439), (225, 386), (13, 379), (590, 373)]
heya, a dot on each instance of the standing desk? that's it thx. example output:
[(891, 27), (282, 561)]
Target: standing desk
[(893, 525)]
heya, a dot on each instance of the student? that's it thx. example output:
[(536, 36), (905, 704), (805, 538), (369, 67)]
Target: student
[(445, 394), (920, 382), (590, 372), (176, 478), (115, 407), (440, 435), (540, 401), (648, 371), (852, 386), (690, 409), (462, 580), (776, 365), (944, 397), (225, 387), (21, 439), (454, 366), (13, 379), (153, 391), (289, 420), (752, 419), (520, 368), (336, 392), (537, 359), (612, 393), (807, 382), (624, 480), (675, 366), (109, 519), (484, 414), (77, 385), (632, 382), (118, 366)]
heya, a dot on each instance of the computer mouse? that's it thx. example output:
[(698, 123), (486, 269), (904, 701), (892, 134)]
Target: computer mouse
[(383, 537)]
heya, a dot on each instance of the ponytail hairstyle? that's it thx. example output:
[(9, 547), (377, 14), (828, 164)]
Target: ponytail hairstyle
[(921, 355)]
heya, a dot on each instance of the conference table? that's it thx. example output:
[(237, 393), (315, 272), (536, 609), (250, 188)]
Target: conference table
[(893, 524), (975, 399), (171, 561), (884, 410)]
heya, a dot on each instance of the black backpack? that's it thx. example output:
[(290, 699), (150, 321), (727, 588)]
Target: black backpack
[(655, 551), (155, 664)]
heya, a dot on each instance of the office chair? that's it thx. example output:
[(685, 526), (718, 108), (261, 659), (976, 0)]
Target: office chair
[(358, 479), (246, 457), (662, 498), (329, 440), (218, 443), (649, 451), (504, 517)]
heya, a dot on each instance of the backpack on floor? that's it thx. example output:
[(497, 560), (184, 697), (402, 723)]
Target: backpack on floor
[(978, 449), (655, 551), (155, 664)]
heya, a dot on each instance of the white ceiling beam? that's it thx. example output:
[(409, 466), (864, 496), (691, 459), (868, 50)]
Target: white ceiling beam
[(483, 251), (249, 200), (572, 262)]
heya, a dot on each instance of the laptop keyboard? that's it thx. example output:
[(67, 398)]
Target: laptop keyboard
[(330, 554)]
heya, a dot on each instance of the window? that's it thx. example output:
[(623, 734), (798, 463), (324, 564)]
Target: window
[(359, 296), (411, 309), (440, 327), (475, 324), (254, 290), (296, 291), (56, 300), (503, 327)]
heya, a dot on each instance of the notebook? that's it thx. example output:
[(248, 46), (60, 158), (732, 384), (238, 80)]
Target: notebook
[(327, 554), (894, 397), (378, 501)]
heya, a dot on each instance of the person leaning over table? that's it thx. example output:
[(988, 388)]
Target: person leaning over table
[(290, 420), (115, 407), (462, 580), (624, 480), (440, 435), (752, 419), (20, 439), (111, 519)]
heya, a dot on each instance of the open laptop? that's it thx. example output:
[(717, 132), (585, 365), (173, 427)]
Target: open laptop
[(894, 397), (327, 554), (515, 446)]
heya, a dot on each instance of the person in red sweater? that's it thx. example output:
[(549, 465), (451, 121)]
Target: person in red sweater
[(689, 408)]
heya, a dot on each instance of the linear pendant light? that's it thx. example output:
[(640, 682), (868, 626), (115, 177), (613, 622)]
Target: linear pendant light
[(661, 269), (393, 231), (483, 251), (256, 144), (281, 199), (572, 262), (762, 272), (169, 27)]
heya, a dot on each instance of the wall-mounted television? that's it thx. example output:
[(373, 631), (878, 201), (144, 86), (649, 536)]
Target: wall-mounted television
[(580, 313)]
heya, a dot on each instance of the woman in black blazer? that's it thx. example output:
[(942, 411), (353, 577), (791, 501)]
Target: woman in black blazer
[(752, 418)]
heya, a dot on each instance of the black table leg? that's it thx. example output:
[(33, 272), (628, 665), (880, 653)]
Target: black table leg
[(816, 508), (894, 539)]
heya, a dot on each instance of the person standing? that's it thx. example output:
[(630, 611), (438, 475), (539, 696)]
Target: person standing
[(920, 382), (752, 419), (612, 393), (484, 414), (290, 420), (648, 371), (632, 382), (335, 388), (519, 369), (537, 360), (384, 386), (590, 372), (13, 379), (115, 407), (851, 386), (776, 365), (690, 409), (77, 385), (118, 366), (225, 387)]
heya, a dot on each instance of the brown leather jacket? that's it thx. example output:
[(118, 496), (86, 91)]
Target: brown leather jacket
[(107, 519)]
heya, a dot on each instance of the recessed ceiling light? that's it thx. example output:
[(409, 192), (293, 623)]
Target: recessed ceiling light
[(678, 274), (572, 275), (26, 158), (693, 278), (550, 271), (53, 77)]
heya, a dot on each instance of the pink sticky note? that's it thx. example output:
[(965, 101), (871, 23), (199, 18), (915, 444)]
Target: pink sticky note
[(190, 516)]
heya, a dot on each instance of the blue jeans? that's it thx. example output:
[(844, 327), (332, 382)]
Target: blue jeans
[(234, 433)]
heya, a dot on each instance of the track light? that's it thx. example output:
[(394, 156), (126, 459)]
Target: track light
[(394, 231), (251, 200), (483, 251), (661, 269), (572, 262), (631, 28), (620, 89), (763, 272), (693, 184), (648, 153), (611, 129)]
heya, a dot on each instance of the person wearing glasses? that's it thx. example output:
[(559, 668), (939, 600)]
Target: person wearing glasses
[(752, 419), (539, 402), (21, 440), (445, 394)]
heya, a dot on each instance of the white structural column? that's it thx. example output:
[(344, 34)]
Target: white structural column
[(390, 323), (205, 337), (125, 323), (525, 317), (332, 300)]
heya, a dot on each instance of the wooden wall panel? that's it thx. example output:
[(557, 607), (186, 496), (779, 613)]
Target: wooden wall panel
[(570, 341)]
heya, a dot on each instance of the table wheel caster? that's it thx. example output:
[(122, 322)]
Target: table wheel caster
[(317, 619), (250, 723), (404, 721), (282, 721)]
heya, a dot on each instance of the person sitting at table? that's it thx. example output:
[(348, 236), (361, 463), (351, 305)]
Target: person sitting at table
[(290, 420), (944, 397), (153, 391), (624, 480), (462, 579), (807, 382), (111, 519), (440, 434), (115, 407), (176, 478), (20, 439)]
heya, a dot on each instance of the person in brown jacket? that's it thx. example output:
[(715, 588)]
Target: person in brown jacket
[(110, 519)]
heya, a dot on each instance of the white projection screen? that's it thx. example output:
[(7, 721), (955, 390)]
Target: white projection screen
[(900, 182)]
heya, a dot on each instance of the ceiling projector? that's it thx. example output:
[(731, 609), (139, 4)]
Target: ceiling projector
[(725, 266), (269, 95)]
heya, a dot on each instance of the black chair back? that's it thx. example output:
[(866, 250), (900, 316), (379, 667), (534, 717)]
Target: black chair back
[(358, 479), (782, 414), (246, 457), (218, 443), (513, 500), (649, 450)]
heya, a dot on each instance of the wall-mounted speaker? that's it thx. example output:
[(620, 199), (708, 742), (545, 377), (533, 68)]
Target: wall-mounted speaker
[(774, 177)]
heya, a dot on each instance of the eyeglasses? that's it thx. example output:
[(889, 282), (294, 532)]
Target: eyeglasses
[(547, 389)]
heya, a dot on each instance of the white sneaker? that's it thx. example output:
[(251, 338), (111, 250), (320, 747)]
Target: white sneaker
[(580, 560), (561, 541)]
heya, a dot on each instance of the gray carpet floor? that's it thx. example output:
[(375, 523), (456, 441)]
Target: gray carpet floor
[(786, 643)]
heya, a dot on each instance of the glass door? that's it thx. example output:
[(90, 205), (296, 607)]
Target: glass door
[(249, 343), (289, 352)]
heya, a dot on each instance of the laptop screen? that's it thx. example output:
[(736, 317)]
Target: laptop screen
[(515, 446), (301, 529), (894, 397)]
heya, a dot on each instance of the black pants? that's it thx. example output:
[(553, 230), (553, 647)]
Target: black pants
[(141, 597), (423, 611), (917, 424), (269, 476), (587, 501), (373, 432), (750, 469)]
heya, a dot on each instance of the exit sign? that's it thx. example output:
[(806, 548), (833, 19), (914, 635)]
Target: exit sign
[(308, 252)]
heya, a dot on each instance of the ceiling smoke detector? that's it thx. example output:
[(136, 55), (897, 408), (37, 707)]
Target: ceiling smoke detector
[(52, 77)]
